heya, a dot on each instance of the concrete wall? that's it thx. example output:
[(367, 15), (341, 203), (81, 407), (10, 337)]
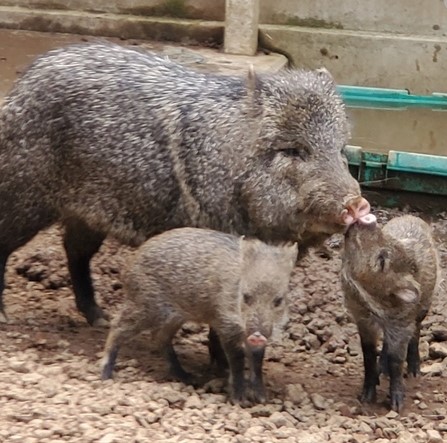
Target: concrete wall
[(427, 17), (189, 9), (398, 44), (417, 63), (402, 16)]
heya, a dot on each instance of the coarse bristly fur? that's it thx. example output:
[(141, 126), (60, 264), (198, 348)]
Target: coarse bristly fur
[(236, 285), (389, 278), (114, 141)]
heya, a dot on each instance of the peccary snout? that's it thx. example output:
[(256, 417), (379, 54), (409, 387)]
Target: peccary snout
[(238, 286), (355, 209), (256, 340), (389, 277)]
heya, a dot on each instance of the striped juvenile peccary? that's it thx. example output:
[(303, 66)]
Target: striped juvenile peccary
[(114, 141), (238, 286), (389, 277)]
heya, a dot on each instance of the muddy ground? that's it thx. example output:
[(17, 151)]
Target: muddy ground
[(50, 389)]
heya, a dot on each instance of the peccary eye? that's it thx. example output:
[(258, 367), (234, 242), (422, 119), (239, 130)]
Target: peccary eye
[(248, 299), (277, 301), (299, 152)]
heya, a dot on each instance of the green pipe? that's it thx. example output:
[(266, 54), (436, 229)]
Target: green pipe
[(383, 98)]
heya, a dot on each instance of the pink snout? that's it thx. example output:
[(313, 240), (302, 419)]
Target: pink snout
[(355, 209), (367, 220), (256, 340)]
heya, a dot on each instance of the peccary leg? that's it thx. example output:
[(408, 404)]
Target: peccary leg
[(124, 328), (397, 389), (234, 351), (217, 354), (164, 339), (398, 342), (256, 358), (413, 356), (383, 360), (109, 362), (3, 260), (368, 338), (81, 243)]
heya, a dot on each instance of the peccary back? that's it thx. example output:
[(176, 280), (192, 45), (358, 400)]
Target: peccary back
[(115, 141), (389, 278), (237, 286)]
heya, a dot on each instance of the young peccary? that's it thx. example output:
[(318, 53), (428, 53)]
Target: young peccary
[(115, 141), (238, 286), (389, 277)]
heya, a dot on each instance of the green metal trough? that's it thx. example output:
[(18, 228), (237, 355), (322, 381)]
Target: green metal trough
[(398, 177)]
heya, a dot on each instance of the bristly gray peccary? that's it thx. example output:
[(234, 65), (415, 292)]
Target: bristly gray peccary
[(389, 277), (113, 141), (236, 285)]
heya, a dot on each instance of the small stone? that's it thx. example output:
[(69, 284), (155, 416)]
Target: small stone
[(418, 396), (406, 437), (108, 438), (42, 433), (296, 393), (433, 369), (392, 414), (434, 436), (171, 395), (438, 350), (266, 410), (345, 410), (215, 386), (340, 359), (278, 419), (439, 334), (422, 406), (193, 402), (319, 401), (424, 348), (19, 366), (364, 428), (254, 431)]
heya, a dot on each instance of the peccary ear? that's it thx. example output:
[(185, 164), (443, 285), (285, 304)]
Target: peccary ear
[(250, 248), (408, 295), (251, 78), (325, 74), (252, 90)]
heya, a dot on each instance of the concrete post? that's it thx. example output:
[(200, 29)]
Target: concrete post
[(241, 26)]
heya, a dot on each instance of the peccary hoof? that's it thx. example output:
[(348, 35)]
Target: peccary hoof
[(3, 317), (368, 395), (96, 317), (241, 400), (258, 395), (397, 400), (107, 371), (414, 369), (182, 376)]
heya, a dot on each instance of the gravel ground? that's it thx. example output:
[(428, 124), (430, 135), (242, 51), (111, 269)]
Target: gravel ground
[(50, 390)]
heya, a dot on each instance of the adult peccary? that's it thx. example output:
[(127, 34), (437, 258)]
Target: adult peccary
[(238, 286), (389, 277), (113, 141)]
